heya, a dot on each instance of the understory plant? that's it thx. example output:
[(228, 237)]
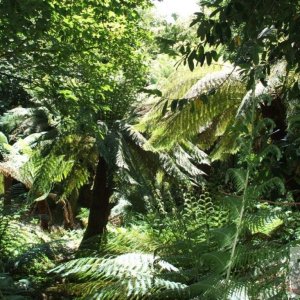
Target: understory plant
[(210, 244)]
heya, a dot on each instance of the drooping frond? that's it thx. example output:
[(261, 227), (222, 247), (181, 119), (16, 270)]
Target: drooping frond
[(129, 275), (65, 161), (181, 163), (195, 111), (177, 85)]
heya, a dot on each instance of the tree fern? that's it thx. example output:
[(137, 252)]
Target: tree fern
[(128, 276), (50, 165), (187, 121), (178, 84)]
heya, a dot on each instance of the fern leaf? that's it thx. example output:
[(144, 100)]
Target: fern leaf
[(238, 176), (197, 114), (271, 184), (131, 273)]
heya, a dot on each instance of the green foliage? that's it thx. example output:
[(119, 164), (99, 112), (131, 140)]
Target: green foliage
[(252, 42), (217, 234), (15, 239), (95, 53), (196, 113), (58, 162), (127, 276)]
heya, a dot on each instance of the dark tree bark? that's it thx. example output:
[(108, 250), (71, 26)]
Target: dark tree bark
[(85, 196), (69, 222), (277, 112), (99, 208), (43, 211), (7, 183)]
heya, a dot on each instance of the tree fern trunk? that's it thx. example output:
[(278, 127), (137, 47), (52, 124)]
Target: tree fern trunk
[(99, 209), (85, 196), (7, 184), (43, 211)]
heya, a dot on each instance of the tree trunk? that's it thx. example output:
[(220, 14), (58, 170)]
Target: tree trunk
[(43, 211), (85, 196), (99, 209), (277, 112), (7, 183)]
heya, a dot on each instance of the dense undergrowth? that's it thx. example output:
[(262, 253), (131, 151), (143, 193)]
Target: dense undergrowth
[(172, 252), (124, 176)]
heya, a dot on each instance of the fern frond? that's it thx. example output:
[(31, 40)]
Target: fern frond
[(131, 273), (171, 168), (274, 183), (270, 150), (238, 177), (264, 220), (198, 155), (228, 145), (198, 113), (184, 161), (177, 85), (134, 238), (58, 162), (15, 239)]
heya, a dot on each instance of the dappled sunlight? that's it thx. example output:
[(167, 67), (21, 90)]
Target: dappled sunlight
[(149, 150)]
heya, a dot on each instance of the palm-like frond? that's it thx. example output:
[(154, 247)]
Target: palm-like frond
[(65, 161), (127, 276), (181, 163), (197, 113)]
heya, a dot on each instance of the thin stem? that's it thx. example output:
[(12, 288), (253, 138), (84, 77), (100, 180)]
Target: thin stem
[(242, 211), (232, 254)]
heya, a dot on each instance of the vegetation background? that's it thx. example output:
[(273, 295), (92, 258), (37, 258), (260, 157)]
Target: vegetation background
[(149, 158)]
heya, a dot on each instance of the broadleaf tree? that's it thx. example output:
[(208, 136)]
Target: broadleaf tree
[(83, 62)]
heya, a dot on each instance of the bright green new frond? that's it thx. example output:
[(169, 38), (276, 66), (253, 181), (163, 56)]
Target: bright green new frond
[(178, 84), (265, 225)]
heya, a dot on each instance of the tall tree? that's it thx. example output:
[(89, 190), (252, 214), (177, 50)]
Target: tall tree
[(82, 61)]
